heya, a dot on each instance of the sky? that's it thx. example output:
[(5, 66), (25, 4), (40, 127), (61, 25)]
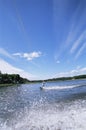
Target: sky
[(41, 39)]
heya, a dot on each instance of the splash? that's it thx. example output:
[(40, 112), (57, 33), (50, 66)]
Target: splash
[(56, 117)]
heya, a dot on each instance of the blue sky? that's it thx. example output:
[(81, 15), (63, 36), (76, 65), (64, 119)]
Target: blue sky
[(42, 39)]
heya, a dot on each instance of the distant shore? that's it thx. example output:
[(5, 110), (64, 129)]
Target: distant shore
[(15, 79), (83, 77)]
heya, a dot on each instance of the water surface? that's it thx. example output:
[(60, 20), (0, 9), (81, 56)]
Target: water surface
[(26, 107)]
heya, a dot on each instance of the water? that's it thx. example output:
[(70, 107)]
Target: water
[(62, 106)]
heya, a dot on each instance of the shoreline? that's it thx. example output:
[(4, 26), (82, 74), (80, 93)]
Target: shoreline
[(6, 85)]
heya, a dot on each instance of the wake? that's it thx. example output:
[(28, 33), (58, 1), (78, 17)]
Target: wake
[(60, 87)]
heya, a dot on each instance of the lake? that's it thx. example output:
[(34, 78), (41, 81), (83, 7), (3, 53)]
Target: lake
[(60, 106)]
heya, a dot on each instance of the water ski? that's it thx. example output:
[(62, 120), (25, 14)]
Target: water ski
[(41, 88)]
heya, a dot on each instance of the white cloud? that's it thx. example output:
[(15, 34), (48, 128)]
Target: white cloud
[(77, 71), (17, 54), (29, 56), (5, 67), (5, 53)]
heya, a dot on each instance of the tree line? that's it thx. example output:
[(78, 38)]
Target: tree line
[(12, 79), (68, 78), (62, 78)]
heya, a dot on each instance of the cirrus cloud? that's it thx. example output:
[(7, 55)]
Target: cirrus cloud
[(5, 53)]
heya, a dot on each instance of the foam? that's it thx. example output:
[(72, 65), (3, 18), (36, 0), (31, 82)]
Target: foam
[(56, 117), (60, 87)]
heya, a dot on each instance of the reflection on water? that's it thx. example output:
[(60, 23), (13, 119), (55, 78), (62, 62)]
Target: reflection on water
[(26, 107)]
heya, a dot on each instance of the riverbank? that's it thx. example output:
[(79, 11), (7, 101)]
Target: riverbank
[(6, 85)]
